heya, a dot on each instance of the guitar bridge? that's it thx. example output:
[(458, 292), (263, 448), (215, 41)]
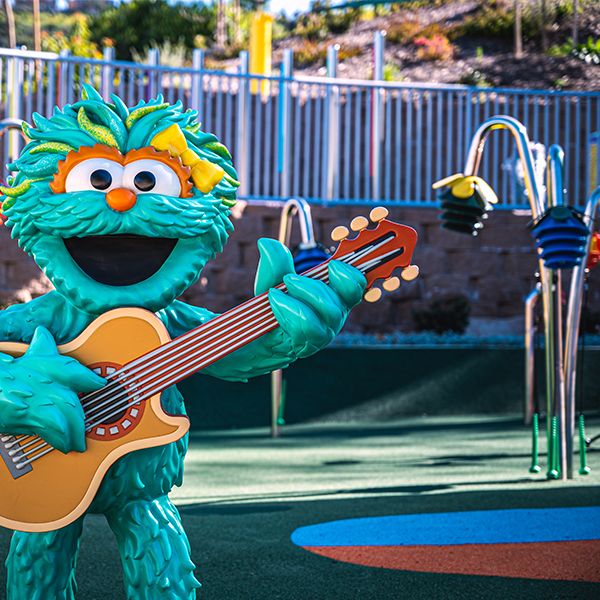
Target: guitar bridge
[(8, 445)]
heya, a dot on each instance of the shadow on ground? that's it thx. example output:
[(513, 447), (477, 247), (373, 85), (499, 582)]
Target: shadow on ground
[(243, 551)]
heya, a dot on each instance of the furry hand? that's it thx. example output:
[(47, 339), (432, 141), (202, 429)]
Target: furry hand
[(38, 394), (311, 313)]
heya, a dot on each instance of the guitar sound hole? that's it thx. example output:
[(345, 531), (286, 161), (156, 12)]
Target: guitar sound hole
[(111, 413)]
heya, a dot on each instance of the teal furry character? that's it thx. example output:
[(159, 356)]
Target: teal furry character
[(123, 207)]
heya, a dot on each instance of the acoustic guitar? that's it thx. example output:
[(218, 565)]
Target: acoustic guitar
[(42, 489)]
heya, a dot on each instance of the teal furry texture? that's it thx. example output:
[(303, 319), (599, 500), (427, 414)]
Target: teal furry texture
[(155, 551), (41, 566), (37, 391), (39, 218)]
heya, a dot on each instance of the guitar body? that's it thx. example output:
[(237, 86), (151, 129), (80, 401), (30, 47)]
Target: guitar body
[(60, 487)]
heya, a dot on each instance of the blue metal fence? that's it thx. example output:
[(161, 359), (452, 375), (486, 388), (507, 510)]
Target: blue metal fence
[(329, 140)]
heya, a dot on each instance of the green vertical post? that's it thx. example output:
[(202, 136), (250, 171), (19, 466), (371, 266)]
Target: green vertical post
[(583, 468), (553, 451), (535, 436)]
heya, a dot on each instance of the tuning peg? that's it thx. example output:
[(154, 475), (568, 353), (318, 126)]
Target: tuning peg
[(340, 233), (391, 284), (372, 295), (378, 214), (359, 223), (409, 273)]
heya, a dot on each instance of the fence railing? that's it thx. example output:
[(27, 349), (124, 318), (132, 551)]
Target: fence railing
[(329, 140)]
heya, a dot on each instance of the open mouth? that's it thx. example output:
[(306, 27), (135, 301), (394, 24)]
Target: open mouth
[(120, 259)]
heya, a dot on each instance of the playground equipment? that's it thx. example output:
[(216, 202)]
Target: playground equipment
[(306, 256), (261, 33), (563, 236)]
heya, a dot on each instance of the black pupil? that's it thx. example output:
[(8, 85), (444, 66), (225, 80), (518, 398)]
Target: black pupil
[(144, 181), (101, 179)]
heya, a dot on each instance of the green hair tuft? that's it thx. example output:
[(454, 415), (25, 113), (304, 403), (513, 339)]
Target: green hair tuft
[(142, 111), (98, 132)]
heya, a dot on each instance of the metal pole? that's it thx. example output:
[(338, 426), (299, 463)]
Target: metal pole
[(574, 316), (530, 304), (241, 158), (555, 191), (377, 123), (153, 74), (287, 70), (301, 208), (197, 83), (108, 55), (332, 124)]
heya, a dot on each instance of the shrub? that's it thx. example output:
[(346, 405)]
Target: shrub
[(437, 47), (311, 26), (588, 52), (475, 78), (309, 53), (391, 72), (403, 32), (348, 51), (447, 313), (77, 41), (339, 21)]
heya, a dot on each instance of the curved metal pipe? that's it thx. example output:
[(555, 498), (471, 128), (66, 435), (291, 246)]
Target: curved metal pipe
[(301, 208), (533, 185), (530, 304), (555, 191), (536, 195)]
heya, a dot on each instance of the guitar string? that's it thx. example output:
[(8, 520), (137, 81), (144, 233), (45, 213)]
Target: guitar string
[(196, 365), (190, 367), (182, 359), (125, 381), (159, 353)]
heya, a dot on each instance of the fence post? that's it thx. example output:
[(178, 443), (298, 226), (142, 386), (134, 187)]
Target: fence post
[(153, 74), (198, 83), (14, 88), (241, 154), (108, 76), (63, 77), (287, 68), (332, 125), (377, 123)]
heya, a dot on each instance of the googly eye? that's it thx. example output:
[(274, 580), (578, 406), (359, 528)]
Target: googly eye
[(151, 176), (144, 181), (100, 174)]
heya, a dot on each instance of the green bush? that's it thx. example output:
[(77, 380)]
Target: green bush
[(142, 24), (447, 313)]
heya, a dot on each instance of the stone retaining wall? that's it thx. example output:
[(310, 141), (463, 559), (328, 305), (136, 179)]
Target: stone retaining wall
[(495, 270)]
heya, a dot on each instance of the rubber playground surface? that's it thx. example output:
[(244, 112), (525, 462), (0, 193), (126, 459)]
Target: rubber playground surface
[(420, 508)]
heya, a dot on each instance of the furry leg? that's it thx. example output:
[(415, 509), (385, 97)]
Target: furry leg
[(155, 551), (41, 566)]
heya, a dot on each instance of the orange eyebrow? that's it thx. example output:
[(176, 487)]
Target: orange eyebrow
[(58, 183), (164, 157)]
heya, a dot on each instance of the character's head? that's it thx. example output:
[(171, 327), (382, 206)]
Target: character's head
[(120, 206)]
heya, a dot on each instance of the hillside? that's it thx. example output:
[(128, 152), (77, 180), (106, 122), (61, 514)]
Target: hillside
[(463, 41)]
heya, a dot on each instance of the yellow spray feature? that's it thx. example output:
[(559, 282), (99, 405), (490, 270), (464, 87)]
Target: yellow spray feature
[(261, 32)]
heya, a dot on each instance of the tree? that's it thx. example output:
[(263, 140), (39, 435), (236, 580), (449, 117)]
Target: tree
[(37, 27), (10, 22), (142, 24)]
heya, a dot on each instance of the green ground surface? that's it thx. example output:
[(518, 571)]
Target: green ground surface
[(386, 384), (244, 494)]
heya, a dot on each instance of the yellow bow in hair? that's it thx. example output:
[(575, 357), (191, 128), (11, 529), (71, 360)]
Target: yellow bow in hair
[(204, 174)]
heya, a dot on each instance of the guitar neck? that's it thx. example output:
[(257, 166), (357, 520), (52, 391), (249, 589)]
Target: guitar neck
[(208, 343)]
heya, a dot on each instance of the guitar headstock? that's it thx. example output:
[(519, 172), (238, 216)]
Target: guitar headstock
[(379, 251)]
